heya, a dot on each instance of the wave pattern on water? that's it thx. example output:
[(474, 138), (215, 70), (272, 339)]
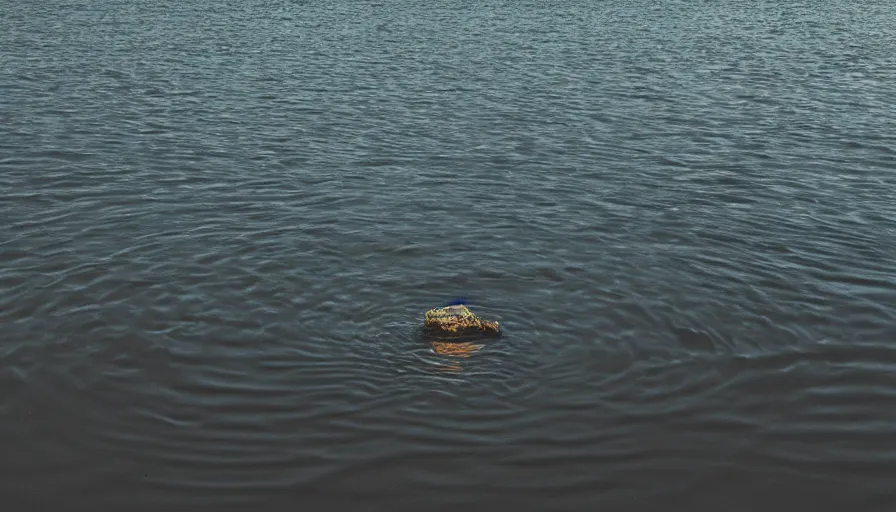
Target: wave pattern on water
[(221, 227)]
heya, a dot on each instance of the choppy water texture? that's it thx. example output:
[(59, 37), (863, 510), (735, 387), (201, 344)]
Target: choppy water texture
[(221, 224)]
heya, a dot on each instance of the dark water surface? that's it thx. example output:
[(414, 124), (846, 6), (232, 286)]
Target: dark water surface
[(221, 223)]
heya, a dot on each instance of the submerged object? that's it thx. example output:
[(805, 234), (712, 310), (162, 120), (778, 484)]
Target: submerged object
[(457, 319)]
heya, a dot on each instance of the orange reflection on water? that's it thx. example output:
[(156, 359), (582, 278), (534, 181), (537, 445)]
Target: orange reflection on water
[(453, 349), (451, 368), (462, 349)]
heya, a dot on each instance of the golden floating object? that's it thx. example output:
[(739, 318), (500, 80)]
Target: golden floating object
[(458, 320)]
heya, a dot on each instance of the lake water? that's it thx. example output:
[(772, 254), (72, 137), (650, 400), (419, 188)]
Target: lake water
[(221, 224)]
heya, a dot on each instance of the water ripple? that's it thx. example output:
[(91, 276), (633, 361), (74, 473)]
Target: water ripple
[(221, 228)]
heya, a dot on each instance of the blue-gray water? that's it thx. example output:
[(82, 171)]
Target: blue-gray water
[(221, 224)]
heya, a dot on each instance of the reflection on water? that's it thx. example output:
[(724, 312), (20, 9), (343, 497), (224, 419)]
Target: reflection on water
[(462, 349), (452, 349)]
